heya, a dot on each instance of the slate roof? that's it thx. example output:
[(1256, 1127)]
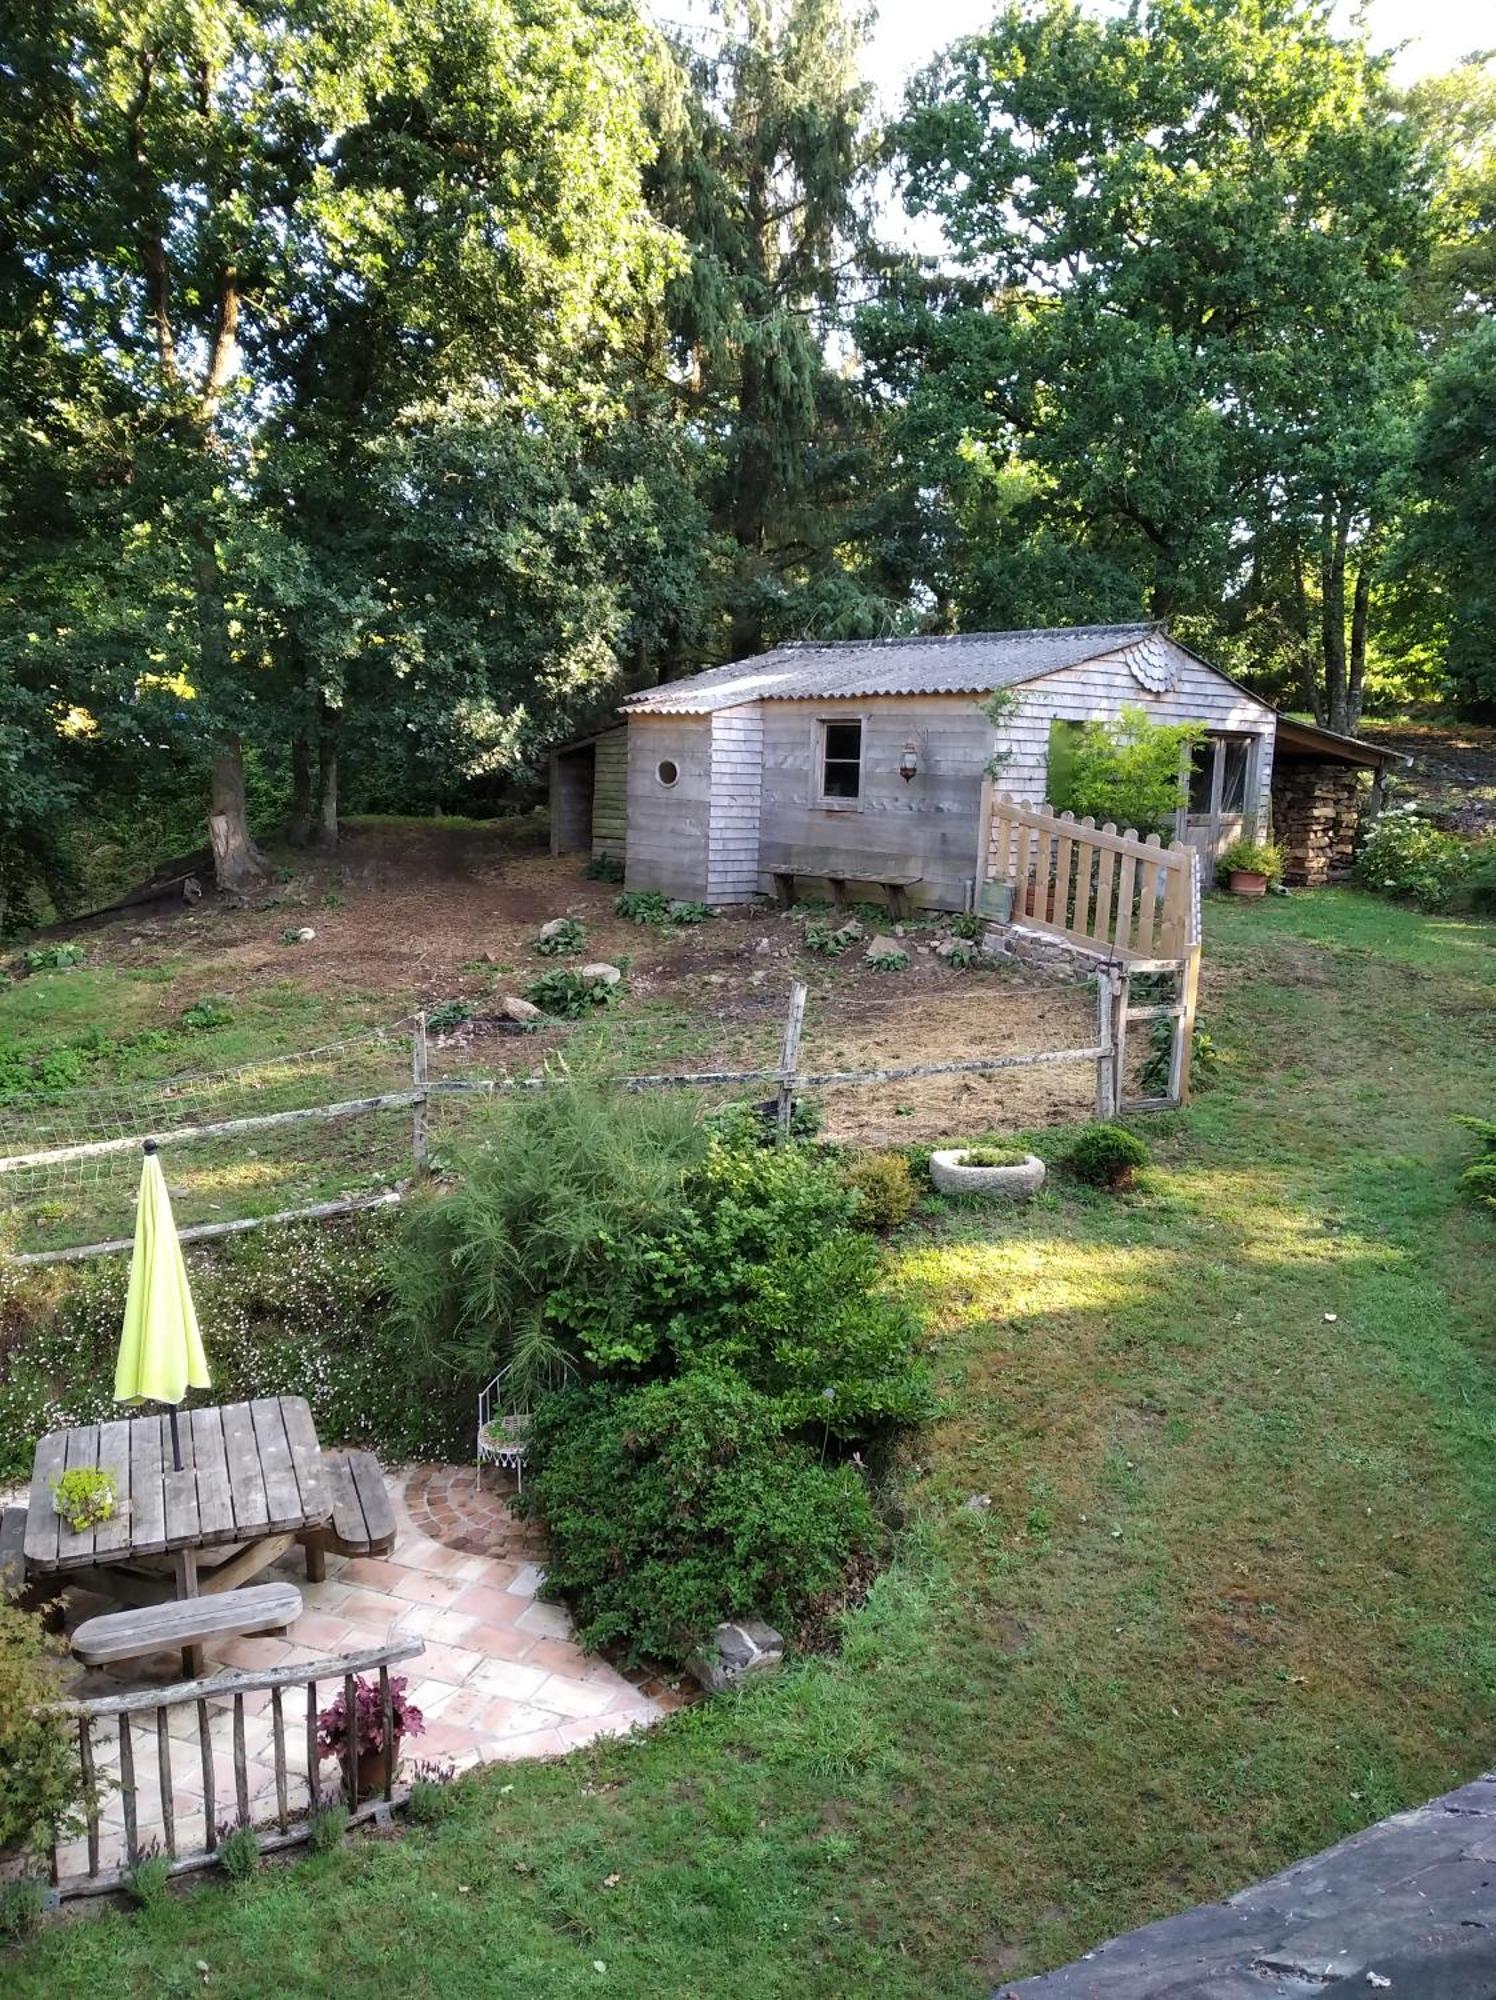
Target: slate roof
[(1408, 1906), (965, 663)]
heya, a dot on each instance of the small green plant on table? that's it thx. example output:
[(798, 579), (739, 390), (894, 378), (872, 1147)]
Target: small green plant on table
[(85, 1496)]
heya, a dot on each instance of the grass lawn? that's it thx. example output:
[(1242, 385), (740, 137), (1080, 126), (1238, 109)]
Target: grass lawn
[(1231, 1599)]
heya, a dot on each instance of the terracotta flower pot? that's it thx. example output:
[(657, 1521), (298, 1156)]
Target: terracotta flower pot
[(373, 1767), (1246, 882)]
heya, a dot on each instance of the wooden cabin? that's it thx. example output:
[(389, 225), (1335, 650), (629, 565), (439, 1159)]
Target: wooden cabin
[(862, 760)]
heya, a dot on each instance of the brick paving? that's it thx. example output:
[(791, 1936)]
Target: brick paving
[(501, 1676)]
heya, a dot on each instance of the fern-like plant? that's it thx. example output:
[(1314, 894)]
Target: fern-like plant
[(1479, 1178)]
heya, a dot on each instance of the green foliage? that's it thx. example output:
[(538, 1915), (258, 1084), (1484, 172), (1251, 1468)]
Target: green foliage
[(294, 1311), (53, 957), (1251, 857), (886, 1188), (994, 1156), (1404, 856), (22, 1906), (673, 1506), (329, 1823), (604, 868), (968, 925), (828, 940), (888, 961), (642, 906), (1106, 1156), (1093, 415), (569, 994), (449, 1014), (295, 934), (1155, 1069), (239, 1853), (429, 1800), (1479, 1179), (1451, 540), (149, 1881), (212, 1011), (534, 1246), (1128, 771), (564, 941), (42, 1794), (85, 1496)]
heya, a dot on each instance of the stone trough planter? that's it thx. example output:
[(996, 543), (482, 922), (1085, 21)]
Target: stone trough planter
[(1016, 1183)]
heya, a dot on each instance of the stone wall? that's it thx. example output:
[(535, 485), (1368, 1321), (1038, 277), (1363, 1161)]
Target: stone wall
[(1041, 951), (1315, 810)]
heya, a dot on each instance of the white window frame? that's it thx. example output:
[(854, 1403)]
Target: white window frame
[(826, 801)]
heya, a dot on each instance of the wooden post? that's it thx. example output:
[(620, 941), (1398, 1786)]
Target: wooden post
[(127, 1791), (184, 1562), (1106, 1081), (1184, 1027), (789, 1056), (387, 1722), (1119, 1038), (418, 1082), (164, 1782), (205, 1748), (350, 1740)]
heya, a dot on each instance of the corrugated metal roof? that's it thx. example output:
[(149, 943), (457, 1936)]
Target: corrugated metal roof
[(964, 663)]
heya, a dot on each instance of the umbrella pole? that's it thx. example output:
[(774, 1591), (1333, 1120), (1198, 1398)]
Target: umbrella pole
[(176, 1442)]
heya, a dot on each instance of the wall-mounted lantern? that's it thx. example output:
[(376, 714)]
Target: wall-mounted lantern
[(909, 760)]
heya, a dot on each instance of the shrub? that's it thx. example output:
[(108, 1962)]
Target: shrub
[(563, 940), (673, 1506), (569, 994), (42, 1794), (430, 1797), (766, 1273), (238, 1852), (21, 1906), (328, 1824), (449, 1014), (1479, 1179), (885, 1187), (888, 961), (604, 868), (213, 1011), (1107, 1156), (1127, 771), (831, 940), (1251, 857), (1406, 857), (536, 1242), (368, 1717), (1154, 1070), (149, 1879), (53, 957)]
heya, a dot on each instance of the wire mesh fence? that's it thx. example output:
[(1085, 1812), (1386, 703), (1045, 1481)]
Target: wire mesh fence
[(344, 1125)]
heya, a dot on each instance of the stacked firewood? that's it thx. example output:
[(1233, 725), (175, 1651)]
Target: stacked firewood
[(1315, 808)]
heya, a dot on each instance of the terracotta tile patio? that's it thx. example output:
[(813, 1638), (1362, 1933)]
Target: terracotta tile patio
[(501, 1676)]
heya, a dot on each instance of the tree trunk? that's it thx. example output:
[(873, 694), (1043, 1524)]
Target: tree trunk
[(325, 835), (1360, 619), (1332, 617), (299, 825), (238, 864)]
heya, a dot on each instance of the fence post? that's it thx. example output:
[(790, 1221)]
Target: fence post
[(789, 1057), (1106, 1080), (418, 1074), (1184, 1027)]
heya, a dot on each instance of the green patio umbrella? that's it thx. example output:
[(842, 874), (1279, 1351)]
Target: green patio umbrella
[(161, 1351)]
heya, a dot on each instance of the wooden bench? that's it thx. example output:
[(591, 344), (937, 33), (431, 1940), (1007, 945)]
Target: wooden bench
[(363, 1521), (13, 1586), (186, 1622), (839, 870)]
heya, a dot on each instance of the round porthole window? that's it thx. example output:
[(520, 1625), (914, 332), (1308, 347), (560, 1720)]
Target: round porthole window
[(667, 771)]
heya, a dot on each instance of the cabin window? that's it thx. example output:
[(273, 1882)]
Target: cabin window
[(667, 771), (841, 762)]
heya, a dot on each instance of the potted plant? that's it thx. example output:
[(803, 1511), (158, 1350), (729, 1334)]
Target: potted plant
[(1010, 1172), (377, 1760), (1248, 866), (84, 1497)]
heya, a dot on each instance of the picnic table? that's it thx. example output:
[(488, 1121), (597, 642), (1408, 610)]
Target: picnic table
[(251, 1481)]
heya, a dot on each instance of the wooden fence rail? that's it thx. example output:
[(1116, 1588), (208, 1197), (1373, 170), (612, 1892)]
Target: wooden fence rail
[(1112, 891), (152, 1707)]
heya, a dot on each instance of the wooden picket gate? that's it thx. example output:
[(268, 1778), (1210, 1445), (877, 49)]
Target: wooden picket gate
[(1117, 896)]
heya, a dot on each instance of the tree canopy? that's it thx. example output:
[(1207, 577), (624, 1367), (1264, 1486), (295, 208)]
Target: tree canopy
[(385, 385)]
